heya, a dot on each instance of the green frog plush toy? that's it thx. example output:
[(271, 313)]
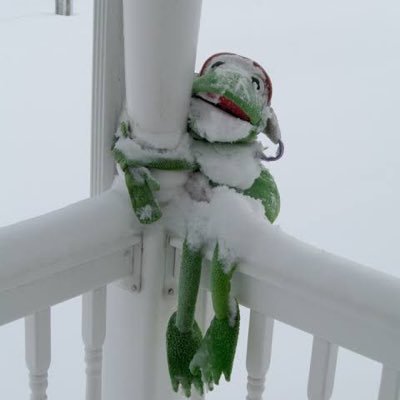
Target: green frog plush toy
[(230, 106)]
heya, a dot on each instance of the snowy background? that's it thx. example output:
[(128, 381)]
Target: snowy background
[(335, 69)]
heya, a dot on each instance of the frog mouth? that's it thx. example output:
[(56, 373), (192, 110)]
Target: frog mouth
[(211, 122), (224, 104)]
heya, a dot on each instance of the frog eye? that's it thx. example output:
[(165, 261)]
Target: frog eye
[(217, 64), (257, 83)]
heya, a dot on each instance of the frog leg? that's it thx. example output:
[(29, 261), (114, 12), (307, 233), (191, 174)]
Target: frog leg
[(217, 351), (183, 333)]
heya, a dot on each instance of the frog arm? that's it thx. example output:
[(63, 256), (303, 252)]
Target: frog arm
[(138, 180), (140, 185), (136, 160), (265, 189)]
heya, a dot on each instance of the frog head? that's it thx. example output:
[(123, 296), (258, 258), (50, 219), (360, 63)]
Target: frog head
[(232, 101)]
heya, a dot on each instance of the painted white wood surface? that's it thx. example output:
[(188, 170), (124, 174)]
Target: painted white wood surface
[(55, 275), (108, 89), (390, 384), (159, 70), (38, 352), (65, 253), (322, 369), (134, 351), (158, 75), (259, 347), (93, 334)]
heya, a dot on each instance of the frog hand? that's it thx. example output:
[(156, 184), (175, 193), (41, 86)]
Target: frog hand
[(217, 351), (181, 347), (141, 186)]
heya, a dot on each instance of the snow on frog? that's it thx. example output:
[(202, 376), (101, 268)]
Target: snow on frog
[(230, 106)]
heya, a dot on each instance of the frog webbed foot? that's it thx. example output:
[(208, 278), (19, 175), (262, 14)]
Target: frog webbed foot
[(181, 347), (217, 351)]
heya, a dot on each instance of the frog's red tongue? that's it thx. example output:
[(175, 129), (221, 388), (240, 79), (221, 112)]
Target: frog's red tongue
[(226, 105), (232, 108)]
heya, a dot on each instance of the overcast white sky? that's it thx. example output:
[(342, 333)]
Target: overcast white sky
[(335, 70)]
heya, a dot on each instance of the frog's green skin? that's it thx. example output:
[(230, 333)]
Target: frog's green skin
[(190, 359)]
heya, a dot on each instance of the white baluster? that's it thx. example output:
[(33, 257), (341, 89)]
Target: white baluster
[(390, 384), (259, 345), (93, 333), (64, 7), (322, 369), (38, 352)]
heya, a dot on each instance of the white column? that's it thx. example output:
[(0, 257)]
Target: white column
[(38, 352), (259, 346), (322, 369), (93, 334), (135, 355), (160, 51), (160, 39)]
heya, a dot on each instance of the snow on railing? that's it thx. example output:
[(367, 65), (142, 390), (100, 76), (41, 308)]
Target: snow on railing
[(324, 295), (63, 254)]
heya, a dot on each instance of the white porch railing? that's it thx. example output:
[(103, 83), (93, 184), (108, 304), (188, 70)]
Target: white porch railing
[(340, 302), (95, 245)]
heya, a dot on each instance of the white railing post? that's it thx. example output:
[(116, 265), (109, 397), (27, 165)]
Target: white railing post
[(259, 346), (322, 369), (160, 49), (93, 334), (64, 7), (38, 352)]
